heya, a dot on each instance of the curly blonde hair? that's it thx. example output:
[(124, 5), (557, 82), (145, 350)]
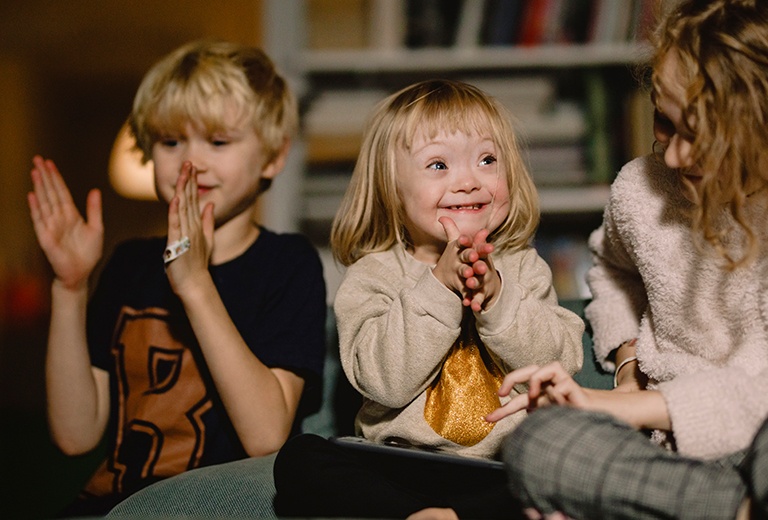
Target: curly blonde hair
[(371, 216), (200, 81), (721, 47)]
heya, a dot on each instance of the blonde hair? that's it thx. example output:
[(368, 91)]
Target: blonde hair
[(371, 217), (200, 81), (722, 52)]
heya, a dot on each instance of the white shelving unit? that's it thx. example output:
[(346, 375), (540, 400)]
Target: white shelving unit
[(370, 61), (286, 35)]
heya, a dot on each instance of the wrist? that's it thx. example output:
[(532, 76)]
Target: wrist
[(623, 366), (493, 291), (74, 287)]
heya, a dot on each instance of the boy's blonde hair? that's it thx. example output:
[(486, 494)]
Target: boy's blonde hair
[(371, 216), (721, 47), (200, 81)]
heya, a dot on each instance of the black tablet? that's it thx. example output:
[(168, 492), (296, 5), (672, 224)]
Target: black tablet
[(402, 448)]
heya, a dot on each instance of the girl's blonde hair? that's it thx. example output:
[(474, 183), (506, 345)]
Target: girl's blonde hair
[(200, 82), (721, 47), (371, 216)]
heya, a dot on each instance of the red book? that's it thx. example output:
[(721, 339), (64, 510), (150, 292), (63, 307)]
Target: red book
[(533, 22)]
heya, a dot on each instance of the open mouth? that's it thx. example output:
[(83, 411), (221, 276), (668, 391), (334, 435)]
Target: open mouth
[(466, 207)]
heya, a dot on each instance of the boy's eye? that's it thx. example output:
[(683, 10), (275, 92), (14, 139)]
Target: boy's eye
[(438, 165), (488, 159), (169, 142)]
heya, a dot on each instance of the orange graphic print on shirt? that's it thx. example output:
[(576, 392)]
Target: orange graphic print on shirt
[(162, 398)]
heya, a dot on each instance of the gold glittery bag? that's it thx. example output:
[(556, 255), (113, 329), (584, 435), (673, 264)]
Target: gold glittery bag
[(465, 390)]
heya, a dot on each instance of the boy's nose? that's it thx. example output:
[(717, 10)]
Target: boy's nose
[(196, 155)]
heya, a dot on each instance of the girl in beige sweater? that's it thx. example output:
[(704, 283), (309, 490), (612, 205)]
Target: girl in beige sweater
[(442, 297)]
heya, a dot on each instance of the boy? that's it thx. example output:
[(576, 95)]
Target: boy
[(194, 348)]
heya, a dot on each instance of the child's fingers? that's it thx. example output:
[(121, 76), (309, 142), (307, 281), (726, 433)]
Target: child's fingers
[(208, 223), (480, 237), (41, 187), (93, 212), (477, 302), (34, 212), (469, 255), (479, 267), (61, 192), (550, 373), (452, 232), (521, 375), (514, 405), (180, 195), (193, 204), (174, 222)]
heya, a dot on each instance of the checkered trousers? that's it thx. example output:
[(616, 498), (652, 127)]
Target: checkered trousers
[(591, 466)]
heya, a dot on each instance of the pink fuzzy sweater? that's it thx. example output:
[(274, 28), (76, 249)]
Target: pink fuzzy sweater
[(702, 330)]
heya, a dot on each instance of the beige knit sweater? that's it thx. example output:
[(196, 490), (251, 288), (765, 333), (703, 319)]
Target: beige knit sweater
[(397, 322), (701, 330)]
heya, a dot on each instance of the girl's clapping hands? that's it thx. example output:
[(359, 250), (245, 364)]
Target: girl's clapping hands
[(466, 266)]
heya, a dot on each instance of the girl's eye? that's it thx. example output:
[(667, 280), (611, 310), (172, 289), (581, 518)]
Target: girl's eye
[(219, 142), (488, 159), (438, 165), (662, 125)]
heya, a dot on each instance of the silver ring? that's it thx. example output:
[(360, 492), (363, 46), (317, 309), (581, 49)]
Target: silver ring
[(176, 249)]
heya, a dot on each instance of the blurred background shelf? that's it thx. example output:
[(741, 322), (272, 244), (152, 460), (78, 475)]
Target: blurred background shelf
[(370, 61), (569, 71)]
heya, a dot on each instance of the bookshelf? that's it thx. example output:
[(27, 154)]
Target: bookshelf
[(590, 114), (433, 60)]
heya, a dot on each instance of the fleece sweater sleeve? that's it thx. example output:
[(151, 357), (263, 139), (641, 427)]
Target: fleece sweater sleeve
[(618, 294), (716, 412)]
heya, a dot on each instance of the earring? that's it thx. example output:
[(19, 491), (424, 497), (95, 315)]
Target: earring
[(658, 148)]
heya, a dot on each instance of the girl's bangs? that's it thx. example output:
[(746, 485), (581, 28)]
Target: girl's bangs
[(432, 115)]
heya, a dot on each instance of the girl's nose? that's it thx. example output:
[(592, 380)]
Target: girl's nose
[(466, 180), (678, 153)]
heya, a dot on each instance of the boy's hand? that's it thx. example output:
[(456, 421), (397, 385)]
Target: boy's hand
[(72, 245), (466, 267), (186, 220)]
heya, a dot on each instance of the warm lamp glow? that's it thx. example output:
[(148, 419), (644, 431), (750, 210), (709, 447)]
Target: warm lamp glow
[(128, 176)]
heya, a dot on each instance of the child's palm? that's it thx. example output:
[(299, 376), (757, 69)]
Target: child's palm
[(72, 245)]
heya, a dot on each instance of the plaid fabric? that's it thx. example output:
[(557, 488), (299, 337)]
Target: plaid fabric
[(756, 473), (591, 466)]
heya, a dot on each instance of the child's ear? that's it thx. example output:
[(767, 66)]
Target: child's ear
[(277, 164)]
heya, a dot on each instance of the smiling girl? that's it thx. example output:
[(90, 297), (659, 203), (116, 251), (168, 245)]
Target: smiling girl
[(443, 296)]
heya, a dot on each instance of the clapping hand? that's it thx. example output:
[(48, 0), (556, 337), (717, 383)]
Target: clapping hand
[(466, 266), (190, 233), (73, 245)]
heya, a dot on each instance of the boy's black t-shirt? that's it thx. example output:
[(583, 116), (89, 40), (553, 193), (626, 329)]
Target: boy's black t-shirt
[(166, 416)]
